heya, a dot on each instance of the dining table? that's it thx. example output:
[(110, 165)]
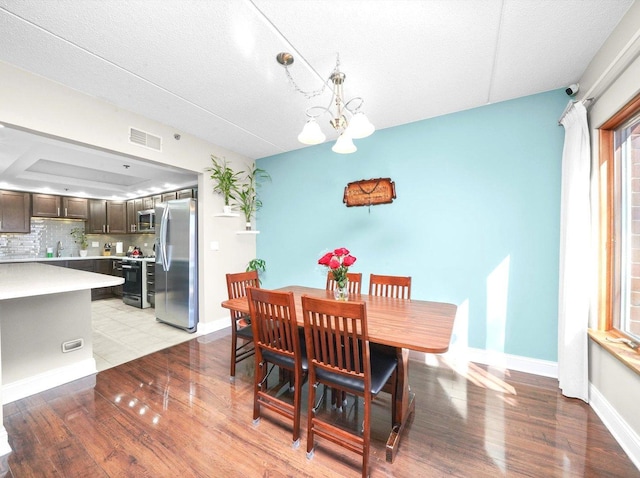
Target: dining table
[(405, 324)]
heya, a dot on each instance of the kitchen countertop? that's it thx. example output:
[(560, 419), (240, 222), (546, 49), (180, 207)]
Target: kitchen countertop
[(74, 258), (20, 279)]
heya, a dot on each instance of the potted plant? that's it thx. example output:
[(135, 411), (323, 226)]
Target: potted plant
[(258, 265), (225, 181), (79, 237), (248, 201)]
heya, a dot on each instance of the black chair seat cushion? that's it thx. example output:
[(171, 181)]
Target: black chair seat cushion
[(382, 367), (245, 333), (286, 361)]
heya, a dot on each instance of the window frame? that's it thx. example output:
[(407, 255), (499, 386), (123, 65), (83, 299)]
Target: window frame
[(609, 228), (607, 235)]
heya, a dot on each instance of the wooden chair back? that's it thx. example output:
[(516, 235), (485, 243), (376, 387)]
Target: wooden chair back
[(355, 282), (336, 331), (398, 287), (273, 318), (241, 332), (237, 284)]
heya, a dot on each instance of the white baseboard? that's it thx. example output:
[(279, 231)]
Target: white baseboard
[(621, 431), (544, 368), (213, 326), (43, 381)]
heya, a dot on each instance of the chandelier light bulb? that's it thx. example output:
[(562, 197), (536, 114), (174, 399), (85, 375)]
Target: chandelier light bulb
[(344, 145), (360, 126), (311, 133)]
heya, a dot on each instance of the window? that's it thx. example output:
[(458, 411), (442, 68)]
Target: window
[(620, 165)]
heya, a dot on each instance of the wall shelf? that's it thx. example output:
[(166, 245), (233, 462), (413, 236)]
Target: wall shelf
[(247, 232), (227, 214)]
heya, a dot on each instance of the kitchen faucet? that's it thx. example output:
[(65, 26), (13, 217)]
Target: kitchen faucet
[(59, 249)]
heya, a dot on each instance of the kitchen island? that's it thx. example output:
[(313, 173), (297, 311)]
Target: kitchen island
[(45, 328)]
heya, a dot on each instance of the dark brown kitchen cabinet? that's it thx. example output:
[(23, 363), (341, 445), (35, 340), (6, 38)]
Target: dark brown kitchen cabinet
[(45, 205), (133, 207), (151, 283), (75, 208), (107, 217), (15, 209), (148, 203), (102, 266), (117, 217), (168, 196), (97, 223), (185, 194), (116, 270), (82, 265), (49, 205)]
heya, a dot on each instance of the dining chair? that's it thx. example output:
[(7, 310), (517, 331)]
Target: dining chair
[(241, 332), (398, 287), (277, 342), (355, 282), (339, 357), (354, 287)]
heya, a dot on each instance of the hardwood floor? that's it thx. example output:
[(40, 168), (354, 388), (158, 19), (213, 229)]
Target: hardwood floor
[(175, 413)]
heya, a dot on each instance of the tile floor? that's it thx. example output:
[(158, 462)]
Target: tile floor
[(122, 333)]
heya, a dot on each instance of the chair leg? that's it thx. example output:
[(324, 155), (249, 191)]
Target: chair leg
[(366, 435), (234, 345), (258, 378), (297, 398), (310, 413)]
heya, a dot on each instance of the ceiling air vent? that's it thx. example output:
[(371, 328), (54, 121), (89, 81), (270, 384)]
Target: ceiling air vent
[(145, 139)]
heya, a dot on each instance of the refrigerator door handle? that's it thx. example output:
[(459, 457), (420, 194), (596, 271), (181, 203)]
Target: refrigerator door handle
[(163, 238)]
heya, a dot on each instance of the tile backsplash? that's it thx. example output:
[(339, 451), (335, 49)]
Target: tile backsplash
[(47, 232)]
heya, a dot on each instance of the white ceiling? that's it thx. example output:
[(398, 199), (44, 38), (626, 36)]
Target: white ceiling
[(208, 68)]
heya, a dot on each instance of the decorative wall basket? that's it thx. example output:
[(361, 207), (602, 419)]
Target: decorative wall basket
[(369, 192)]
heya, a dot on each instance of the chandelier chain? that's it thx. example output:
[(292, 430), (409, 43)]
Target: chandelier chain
[(314, 93)]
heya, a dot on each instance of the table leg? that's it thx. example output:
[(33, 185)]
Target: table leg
[(405, 405)]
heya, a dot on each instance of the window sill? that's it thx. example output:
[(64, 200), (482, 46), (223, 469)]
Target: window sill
[(622, 352)]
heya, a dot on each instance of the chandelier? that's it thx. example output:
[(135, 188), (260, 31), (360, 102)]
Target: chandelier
[(346, 117)]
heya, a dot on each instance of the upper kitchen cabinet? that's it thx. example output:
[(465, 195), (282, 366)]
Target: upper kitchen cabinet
[(133, 207), (15, 208), (186, 194), (168, 196), (107, 217), (97, 223), (49, 205), (117, 217), (75, 208)]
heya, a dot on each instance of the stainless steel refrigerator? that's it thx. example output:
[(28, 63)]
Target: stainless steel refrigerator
[(177, 263)]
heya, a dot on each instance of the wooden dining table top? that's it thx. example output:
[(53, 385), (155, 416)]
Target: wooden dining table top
[(419, 325)]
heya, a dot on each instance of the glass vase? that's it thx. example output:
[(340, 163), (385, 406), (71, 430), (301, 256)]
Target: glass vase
[(341, 291)]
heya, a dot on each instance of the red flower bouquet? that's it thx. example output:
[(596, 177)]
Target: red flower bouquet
[(338, 263)]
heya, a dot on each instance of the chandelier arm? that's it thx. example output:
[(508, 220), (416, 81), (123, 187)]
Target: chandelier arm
[(354, 110), (323, 109)]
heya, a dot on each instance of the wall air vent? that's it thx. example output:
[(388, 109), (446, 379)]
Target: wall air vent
[(145, 139)]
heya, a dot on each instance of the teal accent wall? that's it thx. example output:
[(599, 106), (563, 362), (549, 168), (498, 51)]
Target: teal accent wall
[(475, 222)]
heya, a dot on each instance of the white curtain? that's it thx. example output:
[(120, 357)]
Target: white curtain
[(575, 255)]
